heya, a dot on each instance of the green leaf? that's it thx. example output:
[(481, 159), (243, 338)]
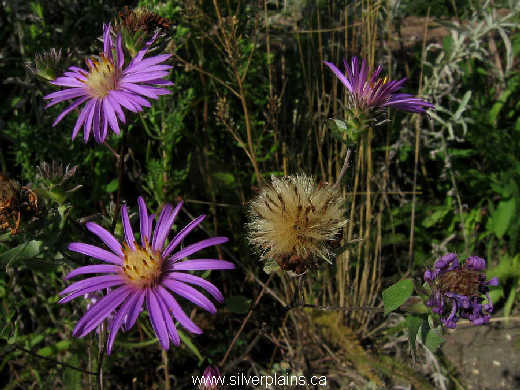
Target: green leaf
[(434, 339), (225, 178), (413, 323), (397, 294), (447, 45), (238, 304), (27, 250), (112, 186), (192, 347), (436, 217), (502, 217)]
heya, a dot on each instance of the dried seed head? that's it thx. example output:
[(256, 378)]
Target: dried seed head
[(293, 221), (141, 19)]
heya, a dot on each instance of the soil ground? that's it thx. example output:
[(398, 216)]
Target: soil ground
[(487, 357)]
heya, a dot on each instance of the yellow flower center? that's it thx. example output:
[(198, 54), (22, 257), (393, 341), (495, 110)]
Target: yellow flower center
[(142, 267), (102, 77)]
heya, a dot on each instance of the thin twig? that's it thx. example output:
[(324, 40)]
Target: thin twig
[(244, 322), (53, 360)]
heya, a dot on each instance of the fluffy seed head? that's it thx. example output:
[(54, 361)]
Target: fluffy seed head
[(293, 220)]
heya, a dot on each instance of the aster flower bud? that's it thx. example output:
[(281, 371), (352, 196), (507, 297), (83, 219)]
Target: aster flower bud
[(48, 65), (53, 180), (210, 379), (293, 220), (457, 290)]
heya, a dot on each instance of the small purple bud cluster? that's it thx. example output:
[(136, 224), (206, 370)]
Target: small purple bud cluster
[(457, 290)]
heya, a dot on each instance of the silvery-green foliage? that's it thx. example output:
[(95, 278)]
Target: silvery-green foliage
[(443, 70), (442, 80)]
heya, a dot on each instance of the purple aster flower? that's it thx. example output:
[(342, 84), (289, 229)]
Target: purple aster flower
[(106, 88), (457, 290), (144, 273), (368, 92)]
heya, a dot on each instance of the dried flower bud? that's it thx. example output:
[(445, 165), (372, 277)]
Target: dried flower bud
[(138, 25), (293, 221)]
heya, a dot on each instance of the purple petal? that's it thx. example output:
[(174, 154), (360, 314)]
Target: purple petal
[(476, 263), (95, 280), (160, 227), (93, 269), (445, 260), (137, 101), (150, 225), (108, 110), (177, 311), (107, 41), (200, 265), (164, 228), (144, 76), (117, 108), (198, 281), (156, 319), (144, 90), (339, 75), (100, 310), (129, 234), (96, 122), (81, 119), (190, 249), (121, 98), (68, 81), (145, 64), (120, 53), (94, 251), (105, 129), (170, 326), (190, 294), (89, 289), (182, 234), (118, 320), (88, 122), (143, 221), (69, 109), (493, 281), (133, 312), (106, 237), (65, 94)]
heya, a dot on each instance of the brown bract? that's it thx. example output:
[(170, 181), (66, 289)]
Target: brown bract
[(294, 221), (14, 200), (141, 19)]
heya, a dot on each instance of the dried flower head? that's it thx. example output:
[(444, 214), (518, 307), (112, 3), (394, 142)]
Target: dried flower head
[(457, 290), (141, 19), (15, 201), (138, 25), (293, 221), (368, 94)]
